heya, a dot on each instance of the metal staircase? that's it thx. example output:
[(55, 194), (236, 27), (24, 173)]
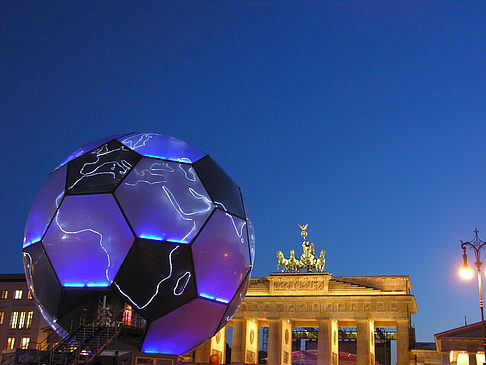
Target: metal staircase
[(85, 345), (87, 342)]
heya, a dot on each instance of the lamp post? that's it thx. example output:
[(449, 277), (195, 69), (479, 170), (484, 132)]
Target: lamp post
[(467, 273)]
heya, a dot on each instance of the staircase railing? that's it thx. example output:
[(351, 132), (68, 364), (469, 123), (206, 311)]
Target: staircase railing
[(87, 343), (82, 346), (7, 358)]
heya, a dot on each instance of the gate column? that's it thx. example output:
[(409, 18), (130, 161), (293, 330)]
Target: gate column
[(245, 341), (215, 345), (327, 342), (236, 342), (402, 342), (365, 354), (279, 342)]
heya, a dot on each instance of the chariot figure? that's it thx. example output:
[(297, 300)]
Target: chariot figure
[(307, 261)]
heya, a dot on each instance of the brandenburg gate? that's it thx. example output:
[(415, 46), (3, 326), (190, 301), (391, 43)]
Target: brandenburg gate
[(314, 298)]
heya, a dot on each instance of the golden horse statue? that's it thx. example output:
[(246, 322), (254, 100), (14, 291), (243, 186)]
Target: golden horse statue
[(321, 261), (282, 262), (293, 263)]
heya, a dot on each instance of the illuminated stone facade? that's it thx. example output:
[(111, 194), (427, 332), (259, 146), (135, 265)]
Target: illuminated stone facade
[(282, 301), (21, 324), (458, 346)]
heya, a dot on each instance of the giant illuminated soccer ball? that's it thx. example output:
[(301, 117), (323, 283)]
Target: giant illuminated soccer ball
[(145, 225)]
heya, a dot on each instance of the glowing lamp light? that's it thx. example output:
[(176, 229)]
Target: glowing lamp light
[(466, 273)]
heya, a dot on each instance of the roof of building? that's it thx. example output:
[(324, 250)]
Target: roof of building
[(469, 331), (12, 277), (424, 346)]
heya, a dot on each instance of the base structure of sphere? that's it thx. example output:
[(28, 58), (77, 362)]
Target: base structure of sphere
[(143, 230)]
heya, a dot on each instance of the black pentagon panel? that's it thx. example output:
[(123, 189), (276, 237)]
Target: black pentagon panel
[(222, 189), (235, 303), (79, 306), (41, 278), (101, 170), (168, 277)]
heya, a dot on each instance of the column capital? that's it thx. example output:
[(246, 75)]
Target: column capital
[(326, 320)]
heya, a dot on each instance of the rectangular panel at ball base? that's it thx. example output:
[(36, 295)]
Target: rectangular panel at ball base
[(138, 358)]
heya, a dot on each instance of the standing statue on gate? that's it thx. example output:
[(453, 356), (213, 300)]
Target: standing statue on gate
[(307, 261)]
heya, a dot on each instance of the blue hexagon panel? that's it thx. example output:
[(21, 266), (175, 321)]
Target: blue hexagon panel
[(221, 257), (88, 240), (44, 206), (163, 147), (235, 303), (251, 239), (184, 328), (164, 200)]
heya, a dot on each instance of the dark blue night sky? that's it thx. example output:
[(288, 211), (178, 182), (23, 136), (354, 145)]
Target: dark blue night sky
[(365, 119)]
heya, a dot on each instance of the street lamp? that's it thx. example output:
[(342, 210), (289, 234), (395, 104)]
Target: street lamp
[(467, 273)]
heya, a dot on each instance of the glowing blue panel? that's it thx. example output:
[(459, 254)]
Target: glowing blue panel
[(235, 303), (44, 206), (206, 296), (53, 323), (164, 201), (184, 328), (164, 147), (89, 147), (221, 256), (251, 239), (41, 278), (87, 240)]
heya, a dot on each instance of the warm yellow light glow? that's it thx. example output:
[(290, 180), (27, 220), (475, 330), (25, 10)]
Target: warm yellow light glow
[(466, 273), (462, 358), (480, 358)]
